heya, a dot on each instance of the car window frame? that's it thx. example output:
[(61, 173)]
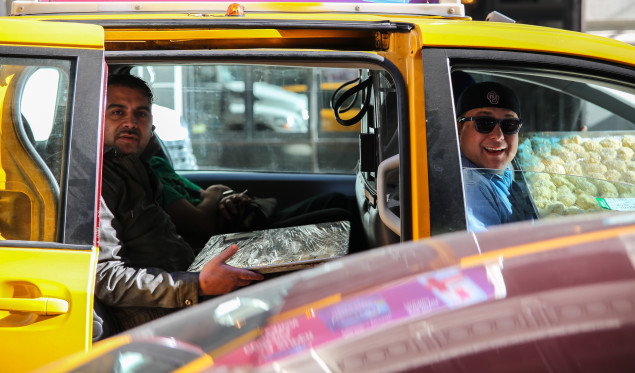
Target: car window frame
[(310, 58), (447, 200), (81, 156)]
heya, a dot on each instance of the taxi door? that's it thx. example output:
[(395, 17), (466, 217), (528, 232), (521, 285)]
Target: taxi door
[(51, 92)]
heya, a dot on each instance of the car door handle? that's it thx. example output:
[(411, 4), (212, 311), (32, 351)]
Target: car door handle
[(42, 306)]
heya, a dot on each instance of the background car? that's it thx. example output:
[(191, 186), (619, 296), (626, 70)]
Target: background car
[(525, 297)]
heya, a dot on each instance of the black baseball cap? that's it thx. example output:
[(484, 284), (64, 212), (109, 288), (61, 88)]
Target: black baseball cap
[(487, 94)]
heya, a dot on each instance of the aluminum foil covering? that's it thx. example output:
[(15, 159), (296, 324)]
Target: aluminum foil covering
[(280, 249)]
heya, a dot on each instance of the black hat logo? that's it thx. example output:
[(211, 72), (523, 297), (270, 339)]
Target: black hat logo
[(493, 97)]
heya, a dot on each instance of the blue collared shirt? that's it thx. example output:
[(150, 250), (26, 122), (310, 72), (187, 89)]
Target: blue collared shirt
[(487, 197)]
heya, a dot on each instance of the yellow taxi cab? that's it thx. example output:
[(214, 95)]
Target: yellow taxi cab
[(219, 72)]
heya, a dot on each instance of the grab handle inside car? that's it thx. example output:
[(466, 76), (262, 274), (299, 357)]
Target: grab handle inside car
[(391, 220)]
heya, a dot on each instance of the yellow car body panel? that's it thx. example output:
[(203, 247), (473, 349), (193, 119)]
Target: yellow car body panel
[(79, 359), (405, 53), (32, 277), (504, 36), (51, 34)]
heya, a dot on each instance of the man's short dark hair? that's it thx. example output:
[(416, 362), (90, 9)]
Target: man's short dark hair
[(131, 81)]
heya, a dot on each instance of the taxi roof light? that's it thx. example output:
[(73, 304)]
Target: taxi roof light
[(235, 9), (443, 8)]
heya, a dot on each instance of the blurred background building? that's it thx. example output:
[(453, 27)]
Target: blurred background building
[(610, 18)]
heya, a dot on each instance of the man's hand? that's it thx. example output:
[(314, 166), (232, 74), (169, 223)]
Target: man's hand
[(214, 192), (218, 278), (229, 205)]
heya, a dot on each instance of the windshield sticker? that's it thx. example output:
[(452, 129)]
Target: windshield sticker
[(418, 296), (348, 315), (453, 287), (617, 204)]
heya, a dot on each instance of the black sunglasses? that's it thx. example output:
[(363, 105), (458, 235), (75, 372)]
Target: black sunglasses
[(509, 126)]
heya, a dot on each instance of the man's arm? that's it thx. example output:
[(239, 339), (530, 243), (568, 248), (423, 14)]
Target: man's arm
[(123, 286), (207, 217), (190, 220), (194, 211)]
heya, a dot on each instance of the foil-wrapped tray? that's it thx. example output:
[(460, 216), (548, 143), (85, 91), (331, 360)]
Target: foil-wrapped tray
[(280, 249)]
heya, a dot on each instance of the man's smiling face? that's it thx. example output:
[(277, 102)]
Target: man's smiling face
[(488, 150), (128, 119)]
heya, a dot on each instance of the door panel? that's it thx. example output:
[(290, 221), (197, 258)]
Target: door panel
[(44, 304), (565, 103), (50, 126)]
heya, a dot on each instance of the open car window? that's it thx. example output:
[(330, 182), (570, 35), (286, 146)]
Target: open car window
[(575, 148), (32, 144), (253, 117)]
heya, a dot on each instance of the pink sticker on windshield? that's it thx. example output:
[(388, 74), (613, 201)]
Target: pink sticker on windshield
[(420, 295)]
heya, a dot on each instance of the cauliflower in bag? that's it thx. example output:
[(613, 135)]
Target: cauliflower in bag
[(606, 189), (586, 201), (562, 181), (572, 140), (576, 149), (567, 198), (618, 165), (592, 146), (611, 143), (584, 186), (607, 154), (628, 177), (628, 141), (613, 175), (625, 153)]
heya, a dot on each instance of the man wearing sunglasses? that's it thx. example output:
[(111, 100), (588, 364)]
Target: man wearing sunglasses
[(488, 123)]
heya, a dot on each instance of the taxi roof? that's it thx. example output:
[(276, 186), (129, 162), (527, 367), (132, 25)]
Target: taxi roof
[(520, 37), (50, 34), (441, 24)]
